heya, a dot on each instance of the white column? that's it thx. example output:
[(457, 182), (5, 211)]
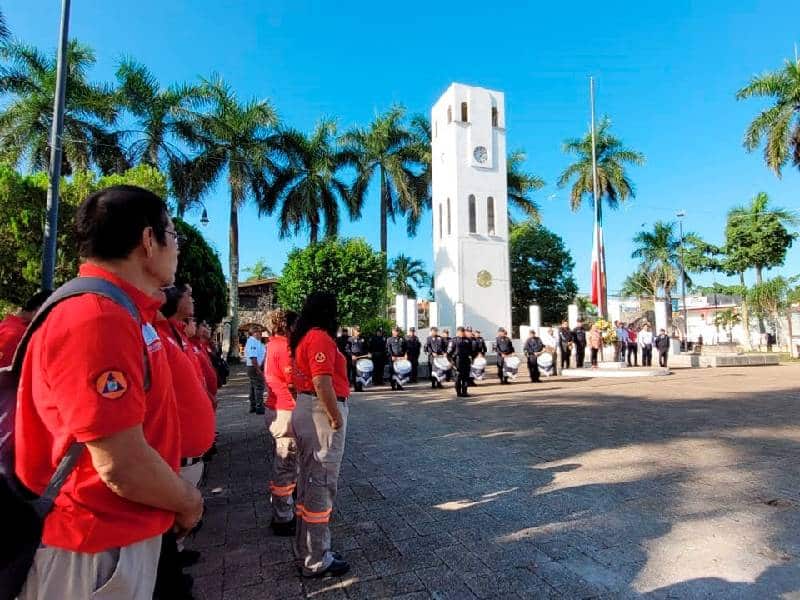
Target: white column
[(433, 314), (535, 312), (411, 314), (400, 311), (524, 331), (572, 316), (459, 317), (661, 316)]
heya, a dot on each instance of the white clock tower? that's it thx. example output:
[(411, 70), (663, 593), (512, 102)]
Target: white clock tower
[(470, 216)]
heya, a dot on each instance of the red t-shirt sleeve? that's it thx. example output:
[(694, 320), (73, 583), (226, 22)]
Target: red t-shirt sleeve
[(320, 353), (99, 380)]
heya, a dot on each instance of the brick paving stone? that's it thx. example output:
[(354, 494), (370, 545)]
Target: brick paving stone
[(684, 487)]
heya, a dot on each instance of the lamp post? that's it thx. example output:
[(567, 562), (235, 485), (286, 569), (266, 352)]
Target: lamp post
[(681, 214), (51, 224), (204, 218)]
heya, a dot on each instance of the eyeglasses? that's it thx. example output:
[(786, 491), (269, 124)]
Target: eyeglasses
[(179, 238)]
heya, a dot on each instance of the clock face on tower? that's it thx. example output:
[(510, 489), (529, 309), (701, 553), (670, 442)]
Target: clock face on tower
[(480, 154)]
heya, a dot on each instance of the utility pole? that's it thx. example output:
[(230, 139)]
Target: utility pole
[(51, 225), (681, 214)]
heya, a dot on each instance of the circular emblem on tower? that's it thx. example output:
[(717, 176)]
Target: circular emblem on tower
[(480, 154), (484, 278)]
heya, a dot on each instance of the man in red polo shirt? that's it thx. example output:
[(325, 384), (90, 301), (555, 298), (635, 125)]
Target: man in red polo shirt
[(83, 379), (13, 327)]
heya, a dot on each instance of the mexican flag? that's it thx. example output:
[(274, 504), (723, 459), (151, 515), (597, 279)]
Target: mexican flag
[(598, 263)]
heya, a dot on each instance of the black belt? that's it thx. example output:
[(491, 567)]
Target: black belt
[(188, 462), (338, 398)]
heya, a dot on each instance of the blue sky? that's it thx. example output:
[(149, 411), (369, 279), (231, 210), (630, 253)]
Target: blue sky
[(666, 75)]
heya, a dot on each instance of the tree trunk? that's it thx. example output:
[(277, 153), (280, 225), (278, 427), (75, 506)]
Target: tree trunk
[(759, 281), (384, 216), (745, 314), (668, 302), (233, 264)]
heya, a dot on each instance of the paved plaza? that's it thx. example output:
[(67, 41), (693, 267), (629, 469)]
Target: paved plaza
[(685, 486)]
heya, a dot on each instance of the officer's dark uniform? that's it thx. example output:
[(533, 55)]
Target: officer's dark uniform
[(460, 351), (533, 345), (478, 346), (395, 347), (413, 349), (503, 346), (564, 338), (377, 348), (579, 339), (356, 347), (447, 339), (662, 343), (434, 346)]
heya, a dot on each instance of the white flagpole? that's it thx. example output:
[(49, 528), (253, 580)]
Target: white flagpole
[(601, 267)]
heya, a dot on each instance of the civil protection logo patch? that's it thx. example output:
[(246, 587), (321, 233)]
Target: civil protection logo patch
[(320, 357), (111, 384)]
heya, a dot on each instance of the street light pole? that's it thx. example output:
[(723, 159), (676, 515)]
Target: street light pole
[(680, 216), (51, 224)]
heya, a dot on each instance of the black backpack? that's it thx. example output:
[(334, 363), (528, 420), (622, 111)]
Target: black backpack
[(23, 512)]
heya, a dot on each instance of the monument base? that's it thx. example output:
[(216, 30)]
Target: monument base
[(613, 369)]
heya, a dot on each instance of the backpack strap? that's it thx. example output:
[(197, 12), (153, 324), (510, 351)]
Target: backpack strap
[(75, 287)]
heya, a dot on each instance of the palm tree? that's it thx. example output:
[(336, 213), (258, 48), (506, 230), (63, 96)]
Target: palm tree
[(521, 184), (259, 270), (308, 188), (406, 275), (4, 31), (388, 151), (29, 77), (157, 112), (612, 157), (237, 140), (778, 125)]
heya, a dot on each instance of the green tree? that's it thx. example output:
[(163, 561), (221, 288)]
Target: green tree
[(199, 265), (778, 125), (90, 113), (642, 283), (521, 184), (727, 319), (23, 200), (770, 298), (758, 237), (4, 31), (235, 140), (541, 272), (388, 151), (406, 275), (260, 270), (157, 114), (348, 268), (614, 184), (308, 189)]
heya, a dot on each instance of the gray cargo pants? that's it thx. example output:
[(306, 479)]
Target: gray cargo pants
[(284, 465), (127, 573), (320, 451), (256, 388)]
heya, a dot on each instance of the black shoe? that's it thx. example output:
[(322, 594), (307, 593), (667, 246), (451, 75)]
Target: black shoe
[(337, 568), (187, 558), (260, 410), (284, 529), (399, 387), (252, 409)]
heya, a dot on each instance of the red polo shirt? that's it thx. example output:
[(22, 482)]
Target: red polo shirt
[(279, 374), (209, 374), (317, 354), (12, 328), (83, 379), (195, 412)]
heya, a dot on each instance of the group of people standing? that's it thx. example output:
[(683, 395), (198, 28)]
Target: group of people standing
[(631, 339)]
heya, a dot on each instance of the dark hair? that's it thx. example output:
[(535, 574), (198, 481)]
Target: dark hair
[(35, 301), (318, 311), (174, 295), (110, 222)]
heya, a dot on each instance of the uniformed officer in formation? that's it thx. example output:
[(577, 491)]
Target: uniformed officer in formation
[(356, 348), (413, 349), (395, 350), (377, 348), (342, 336), (565, 343), (504, 348), (479, 344), (460, 352), (434, 346), (447, 339), (533, 348), (579, 339)]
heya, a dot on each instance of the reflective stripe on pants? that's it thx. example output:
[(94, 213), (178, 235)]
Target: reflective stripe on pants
[(320, 450), (284, 465)]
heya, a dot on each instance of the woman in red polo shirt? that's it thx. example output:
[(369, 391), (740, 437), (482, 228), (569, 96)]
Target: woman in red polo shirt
[(280, 404), (320, 426)]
